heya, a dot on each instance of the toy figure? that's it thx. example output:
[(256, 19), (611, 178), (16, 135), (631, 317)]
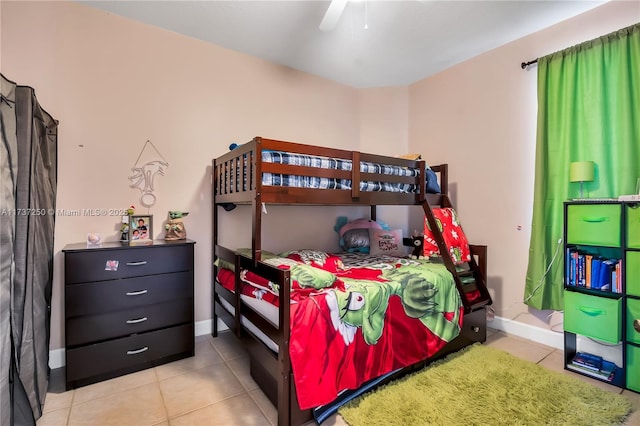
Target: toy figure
[(175, 226), (418, 246), (124, 230), (124, 227)]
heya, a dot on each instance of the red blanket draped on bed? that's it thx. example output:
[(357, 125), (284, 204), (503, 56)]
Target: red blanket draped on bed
[(323, 368), (351, 324)]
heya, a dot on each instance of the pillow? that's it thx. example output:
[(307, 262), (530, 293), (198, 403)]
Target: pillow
[(454, 238), (356, 238), (354, 235), (386, 242), (432, 181)]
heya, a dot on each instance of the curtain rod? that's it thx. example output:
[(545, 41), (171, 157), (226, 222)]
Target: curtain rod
[(524, 65)]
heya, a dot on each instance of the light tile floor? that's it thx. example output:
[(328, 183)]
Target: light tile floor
[(214, 388)]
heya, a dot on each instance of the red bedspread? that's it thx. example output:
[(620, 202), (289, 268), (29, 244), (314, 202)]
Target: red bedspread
[(359, 318)]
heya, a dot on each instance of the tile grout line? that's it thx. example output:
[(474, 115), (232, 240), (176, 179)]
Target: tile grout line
[(73, 397), (247, 391), (164, 404)]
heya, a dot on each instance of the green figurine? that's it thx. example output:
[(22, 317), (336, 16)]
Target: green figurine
[(175, 226)]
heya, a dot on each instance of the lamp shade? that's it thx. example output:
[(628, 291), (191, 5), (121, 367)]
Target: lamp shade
[(581, 171)]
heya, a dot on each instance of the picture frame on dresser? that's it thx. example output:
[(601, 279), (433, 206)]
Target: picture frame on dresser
[(140, 228)]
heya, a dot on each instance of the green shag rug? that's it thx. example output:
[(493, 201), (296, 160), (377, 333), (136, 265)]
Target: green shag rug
[(480, 385)]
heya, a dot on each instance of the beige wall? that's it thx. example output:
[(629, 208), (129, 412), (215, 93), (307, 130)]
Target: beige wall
[(114, 83), (480, 117)]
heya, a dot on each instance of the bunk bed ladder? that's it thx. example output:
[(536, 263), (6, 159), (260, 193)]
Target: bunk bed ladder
[(470, 278)]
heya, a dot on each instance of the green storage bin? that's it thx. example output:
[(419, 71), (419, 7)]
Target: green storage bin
[(633, 225), (633, 313), (593, 316), (633, 367), (632, 277), (594, 224)]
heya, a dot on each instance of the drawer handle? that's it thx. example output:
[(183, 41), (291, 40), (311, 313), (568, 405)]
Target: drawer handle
[(142, 262), (137, 320), (636, 325), (138, 351), (136, 293), (591, 311), (595, 219)]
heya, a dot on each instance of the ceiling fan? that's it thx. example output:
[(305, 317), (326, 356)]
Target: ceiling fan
[(332, 15)]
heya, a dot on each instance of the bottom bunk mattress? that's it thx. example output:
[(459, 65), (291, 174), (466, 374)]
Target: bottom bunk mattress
[(354, 317)]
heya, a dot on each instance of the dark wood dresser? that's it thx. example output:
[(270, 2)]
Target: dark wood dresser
[(127, 308)]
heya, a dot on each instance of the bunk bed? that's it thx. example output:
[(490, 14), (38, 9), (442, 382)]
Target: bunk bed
[(265, 171)]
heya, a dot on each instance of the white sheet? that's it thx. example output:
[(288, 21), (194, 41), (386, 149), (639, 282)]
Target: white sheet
[(249, 325)]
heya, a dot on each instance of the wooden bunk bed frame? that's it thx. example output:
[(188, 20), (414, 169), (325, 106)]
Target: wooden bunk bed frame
[(237, 179)]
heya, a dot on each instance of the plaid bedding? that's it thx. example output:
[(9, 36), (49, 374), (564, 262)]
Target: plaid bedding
[(330, 183), (279, 157), (334, 164)]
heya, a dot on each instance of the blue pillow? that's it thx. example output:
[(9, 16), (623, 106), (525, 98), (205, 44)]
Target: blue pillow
[(432, 181)]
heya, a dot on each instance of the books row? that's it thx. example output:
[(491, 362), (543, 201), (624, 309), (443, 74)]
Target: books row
[(593, 365), (592, 271)]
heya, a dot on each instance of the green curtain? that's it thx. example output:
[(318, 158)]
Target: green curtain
[(588, 110)]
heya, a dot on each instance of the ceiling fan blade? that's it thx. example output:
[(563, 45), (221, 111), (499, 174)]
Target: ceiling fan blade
[(332, 15)]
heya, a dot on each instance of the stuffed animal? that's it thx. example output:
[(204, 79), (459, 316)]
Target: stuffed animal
[(354, 235), (418, 246), (175, 226)]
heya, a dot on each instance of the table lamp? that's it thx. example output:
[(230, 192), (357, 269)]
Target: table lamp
[(581, 171)]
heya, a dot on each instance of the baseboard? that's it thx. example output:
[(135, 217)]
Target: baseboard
[(201, 328), (526, 331), (56, 358)]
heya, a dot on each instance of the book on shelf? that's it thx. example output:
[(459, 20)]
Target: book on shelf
[(593, 365), (607, 372), (587, 360), (592, 272)]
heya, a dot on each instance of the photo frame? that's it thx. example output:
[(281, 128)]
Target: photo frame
[(140, 228)]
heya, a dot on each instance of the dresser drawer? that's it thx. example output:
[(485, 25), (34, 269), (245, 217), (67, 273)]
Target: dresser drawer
[(632, 278), (633, 314), (121, 354), (96, 328), (594, 224), (593, 316), (98, 265), (633, 367), (107, 296), (633, 225)]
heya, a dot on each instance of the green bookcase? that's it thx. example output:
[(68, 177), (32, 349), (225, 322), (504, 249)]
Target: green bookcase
[(601, 238)]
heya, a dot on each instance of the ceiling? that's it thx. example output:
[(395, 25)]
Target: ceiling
[(405, 41)]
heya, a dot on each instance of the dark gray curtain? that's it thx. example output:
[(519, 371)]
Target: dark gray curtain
[(29, 174)]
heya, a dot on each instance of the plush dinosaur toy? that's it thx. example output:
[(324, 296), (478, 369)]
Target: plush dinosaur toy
[(175, 226)]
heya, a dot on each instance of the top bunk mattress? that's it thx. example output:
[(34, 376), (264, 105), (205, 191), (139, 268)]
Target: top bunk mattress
[(293, 159)]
